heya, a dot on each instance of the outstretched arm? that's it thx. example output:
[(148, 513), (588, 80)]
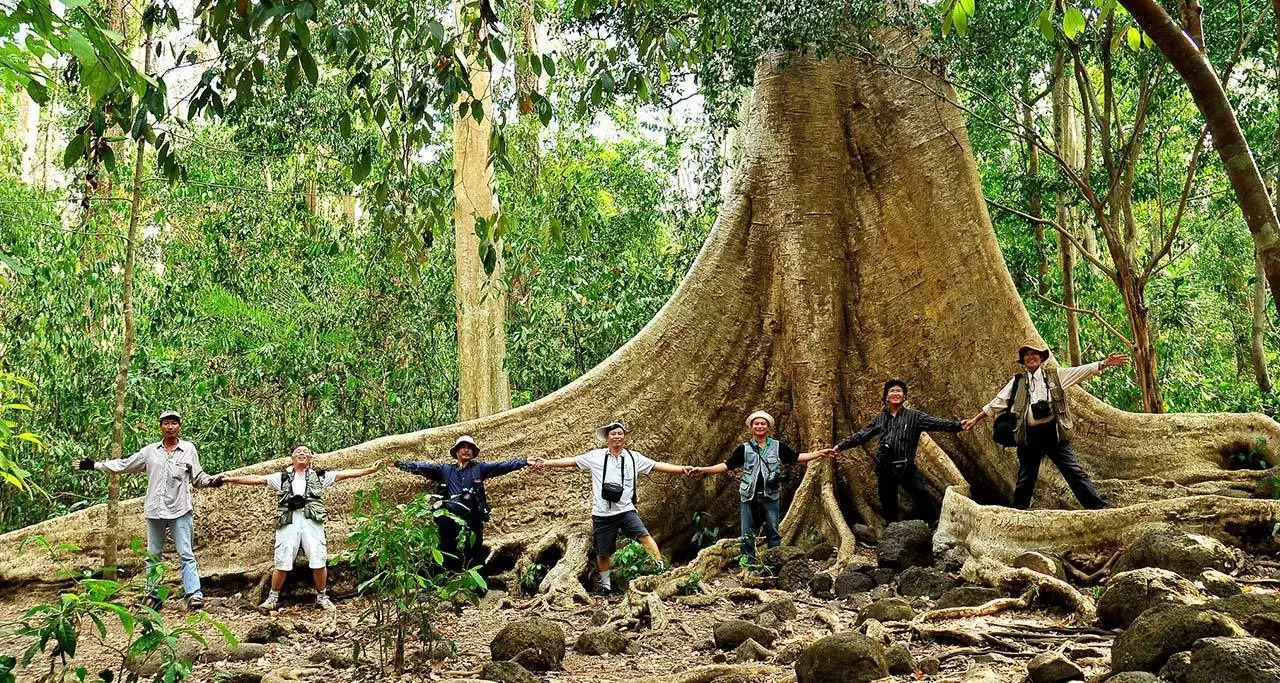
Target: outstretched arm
[(814, 455), (931, 423), (352, 474), (668, 468), (244, 479), (862, 436), (430, 470), (497, 469), (554, 464), (134, 463)]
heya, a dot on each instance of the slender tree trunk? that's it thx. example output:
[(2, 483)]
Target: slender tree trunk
[(1145, 357), (1258, 352), (1035, 206), (1224, 130), (29, 120), (112, 540), (482, 304), (1065, 143)]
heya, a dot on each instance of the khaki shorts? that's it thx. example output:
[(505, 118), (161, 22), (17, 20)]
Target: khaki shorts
[(305, 534)]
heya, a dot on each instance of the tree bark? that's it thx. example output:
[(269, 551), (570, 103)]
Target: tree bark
[(1035, 206), (483, 387), (112, 541), (1145, 357), (1228, 138), (1064, 140), (1257, 349), (854, 245)]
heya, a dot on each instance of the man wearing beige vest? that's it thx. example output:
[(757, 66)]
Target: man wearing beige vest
[(1038, 398)]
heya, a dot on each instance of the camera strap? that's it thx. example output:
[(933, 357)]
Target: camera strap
[(622, 473)]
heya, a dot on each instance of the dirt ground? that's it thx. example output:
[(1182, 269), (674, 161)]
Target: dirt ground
[(684, 644)]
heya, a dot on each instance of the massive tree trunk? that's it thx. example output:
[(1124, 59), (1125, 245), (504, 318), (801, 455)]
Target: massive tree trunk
[(1065, 142), (1228, 138), (854, 245), (483, 387)]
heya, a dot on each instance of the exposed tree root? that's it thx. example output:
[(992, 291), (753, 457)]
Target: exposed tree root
[(1089, 538), (815, 506), (705, 674), (710, 561), (562, 586), (986, 609), (1029, 583)]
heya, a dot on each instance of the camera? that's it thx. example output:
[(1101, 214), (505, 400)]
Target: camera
[(1041, 409), (611, 492), (776, 479), (296, 502), (475, 507)]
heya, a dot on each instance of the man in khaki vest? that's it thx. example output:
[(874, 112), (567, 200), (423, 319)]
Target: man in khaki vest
[(1038, 397)]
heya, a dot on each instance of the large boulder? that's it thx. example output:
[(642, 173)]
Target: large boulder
[(1134, 677), (506, 672), (967, 596), (781, 555), (1052, 667), (889, 609), (847, 657), (1219, 584), (1039, 563), (795, 575), (601, 640), (906, 544), (1241, 607), (924, 581), (731, 633), (1161, 631), (1179, 552), (1234, 660), (1131, 593), (265, 632), (538, 642), (899, 661)]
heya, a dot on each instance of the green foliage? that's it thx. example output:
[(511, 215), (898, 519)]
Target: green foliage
[(531, 577), (632, 561), (691, 584), (395, 553), (704, 534), (12, 436), (58, 627)]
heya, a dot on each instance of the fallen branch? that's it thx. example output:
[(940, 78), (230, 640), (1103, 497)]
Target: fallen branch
[(986, 609), (706, 674)]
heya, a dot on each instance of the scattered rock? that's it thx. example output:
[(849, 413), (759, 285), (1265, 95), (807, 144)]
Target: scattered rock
[(1131, 593), (967, 596), (951, 560), (789, 654), (600, 617), (1179, 552), (197, 653), (1241, 607), (859, 601), (1175, 670), (924, 581), (601, 640), (242, 676), (1040, 563), (327, 656), (246, 652), (719, 658), (734, 678), (538, 642), (981, 674), (1234, 660), (751, 651), (1052, 667), (265, 632), (1134, 677), (795, 575), (1264, 626), (851, 581), (701, 600), (506, 672), (822, 552), (822, 586), (847, 657), (899, 661), (145, 668), (1218, 584), (876, 631), (769, 620), (781, 556), (784, 608), (883, 576), (864, 534), (1161, 631), (906, 544), (731, 633), (889, 609), (993, 658)]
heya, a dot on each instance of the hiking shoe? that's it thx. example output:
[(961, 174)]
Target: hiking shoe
[(272, 602), (323, 601), (195, 602), (603, 592), (153, 601)]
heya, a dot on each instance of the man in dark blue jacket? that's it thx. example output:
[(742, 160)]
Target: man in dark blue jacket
[(462, 487)]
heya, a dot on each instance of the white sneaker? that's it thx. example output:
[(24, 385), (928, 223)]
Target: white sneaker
[(323, 601), (271, 603)]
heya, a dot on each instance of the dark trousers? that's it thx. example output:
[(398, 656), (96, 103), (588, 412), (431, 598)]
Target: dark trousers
[(1042, 441), (464, 554), (912, 482), (753, 514)]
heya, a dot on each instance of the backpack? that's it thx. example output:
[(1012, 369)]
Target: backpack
[(1004, 431)]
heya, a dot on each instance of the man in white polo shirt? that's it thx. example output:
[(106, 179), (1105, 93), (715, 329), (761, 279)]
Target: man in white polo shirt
[(613, 495), (173, 467)]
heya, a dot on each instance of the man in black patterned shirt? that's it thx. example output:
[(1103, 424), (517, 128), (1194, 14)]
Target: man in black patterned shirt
[(899, 429)]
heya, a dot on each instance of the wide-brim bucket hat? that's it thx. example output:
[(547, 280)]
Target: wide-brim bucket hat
[(464, 440), (602, 433), (758, 414), (1034, 345)]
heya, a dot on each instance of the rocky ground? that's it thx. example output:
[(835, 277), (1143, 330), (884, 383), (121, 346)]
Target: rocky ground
[(1173, 607)]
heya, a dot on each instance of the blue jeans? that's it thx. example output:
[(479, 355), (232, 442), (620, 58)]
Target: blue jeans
[(759, 510), (183, 530)]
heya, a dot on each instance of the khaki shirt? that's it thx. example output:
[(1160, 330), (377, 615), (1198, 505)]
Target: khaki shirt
[(170, 475)]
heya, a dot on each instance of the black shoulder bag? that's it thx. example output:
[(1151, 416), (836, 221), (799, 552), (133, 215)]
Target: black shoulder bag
[(611, 492), (1005, 429)]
